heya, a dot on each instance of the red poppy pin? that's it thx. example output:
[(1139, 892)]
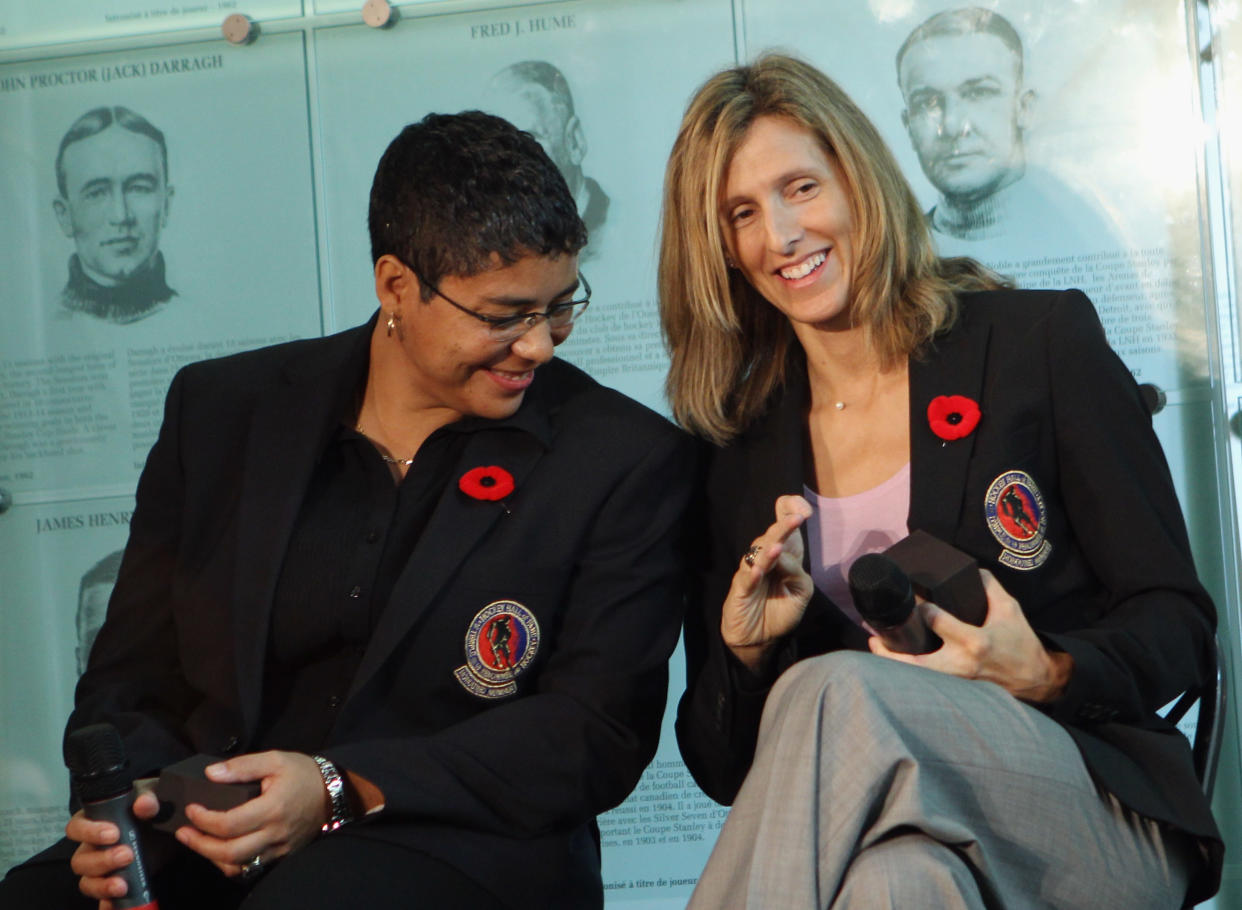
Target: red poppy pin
[(953, 416), (487, 483)]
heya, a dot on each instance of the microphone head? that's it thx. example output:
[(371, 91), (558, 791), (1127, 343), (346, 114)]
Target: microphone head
[(95, 757), (881, 590)]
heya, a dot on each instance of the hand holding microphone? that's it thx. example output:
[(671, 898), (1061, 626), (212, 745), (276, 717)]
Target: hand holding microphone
[(884, 597), (970, 627), (883, 586), (104, 784)]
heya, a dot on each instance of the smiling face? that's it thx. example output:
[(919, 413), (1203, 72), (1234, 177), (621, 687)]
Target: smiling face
[(115, 203), (786, 221), (452, 361), (965, 112)]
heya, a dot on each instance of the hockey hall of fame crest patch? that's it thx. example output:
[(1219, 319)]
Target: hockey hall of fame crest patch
[(501, 642), (1018, 520)]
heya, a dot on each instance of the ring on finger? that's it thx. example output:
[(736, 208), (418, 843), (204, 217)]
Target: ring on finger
[(749, 557), (252, 868)]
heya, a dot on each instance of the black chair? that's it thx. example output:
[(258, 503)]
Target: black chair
[(1212, 698)]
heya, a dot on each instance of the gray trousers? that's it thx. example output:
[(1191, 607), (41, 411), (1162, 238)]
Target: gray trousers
[(876, 784)]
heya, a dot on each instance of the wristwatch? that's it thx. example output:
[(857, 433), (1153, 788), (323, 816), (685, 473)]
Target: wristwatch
[(335, 785)]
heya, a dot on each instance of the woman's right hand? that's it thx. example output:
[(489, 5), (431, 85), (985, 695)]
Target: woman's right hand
[(100, 855), (767, 598)]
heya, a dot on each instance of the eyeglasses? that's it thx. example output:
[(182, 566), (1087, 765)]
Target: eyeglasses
[(510, 328)]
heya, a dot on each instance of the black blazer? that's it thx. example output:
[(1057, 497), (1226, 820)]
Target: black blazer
[(506, 789), (1117, 590)]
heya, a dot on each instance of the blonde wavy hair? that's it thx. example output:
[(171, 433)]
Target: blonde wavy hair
[(730, 349)]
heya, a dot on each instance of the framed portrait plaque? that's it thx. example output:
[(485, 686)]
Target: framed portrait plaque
[(158, 216)]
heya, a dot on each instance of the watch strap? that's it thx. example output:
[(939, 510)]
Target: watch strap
[(334, 783)]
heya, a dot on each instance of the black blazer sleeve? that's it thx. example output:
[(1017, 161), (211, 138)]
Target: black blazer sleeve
[(1150, 637), (135, 679), (718, 715)]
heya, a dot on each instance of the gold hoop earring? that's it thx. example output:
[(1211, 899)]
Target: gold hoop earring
[(392, 323)]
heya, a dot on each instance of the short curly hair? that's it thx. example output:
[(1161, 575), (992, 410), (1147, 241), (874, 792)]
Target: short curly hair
[(454, 190)]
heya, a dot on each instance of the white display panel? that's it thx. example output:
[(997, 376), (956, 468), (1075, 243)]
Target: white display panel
[(228, 217), (1104, 115), (59, 565), (625, 119), (1112, 124), (1225, 19), (32, 22)]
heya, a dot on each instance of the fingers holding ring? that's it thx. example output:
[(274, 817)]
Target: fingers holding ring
[(252, 868), (749, 556)]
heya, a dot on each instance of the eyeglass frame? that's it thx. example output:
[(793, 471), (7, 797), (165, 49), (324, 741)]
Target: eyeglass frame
[(502, 324)]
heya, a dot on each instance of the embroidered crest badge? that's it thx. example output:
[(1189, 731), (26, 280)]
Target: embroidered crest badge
[(501, 642), (1018, 520)]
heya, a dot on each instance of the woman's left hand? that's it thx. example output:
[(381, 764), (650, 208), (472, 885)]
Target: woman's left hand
[(1004, 650), (287, 814)]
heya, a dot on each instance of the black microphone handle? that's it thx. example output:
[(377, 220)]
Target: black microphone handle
[(117, 810), (910, 637), (884, 598)]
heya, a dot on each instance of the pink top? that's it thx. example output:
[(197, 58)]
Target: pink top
[(842, 529)]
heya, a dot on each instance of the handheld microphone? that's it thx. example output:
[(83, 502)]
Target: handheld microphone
[(99, 771), (884, 597)]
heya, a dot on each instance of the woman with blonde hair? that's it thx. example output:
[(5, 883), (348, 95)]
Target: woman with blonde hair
[(864, 388)]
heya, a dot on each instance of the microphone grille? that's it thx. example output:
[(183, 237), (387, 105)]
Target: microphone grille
[(881, 590), (95, 757)]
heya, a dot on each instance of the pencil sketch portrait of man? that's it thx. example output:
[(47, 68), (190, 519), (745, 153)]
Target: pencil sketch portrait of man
[(967, 112), (93, 593), (114, 196), (534, 96)]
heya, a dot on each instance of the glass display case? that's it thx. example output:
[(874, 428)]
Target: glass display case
[(1107, 151)]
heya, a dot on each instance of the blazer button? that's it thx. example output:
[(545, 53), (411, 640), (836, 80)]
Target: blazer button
[(334, 701), (231, 746)]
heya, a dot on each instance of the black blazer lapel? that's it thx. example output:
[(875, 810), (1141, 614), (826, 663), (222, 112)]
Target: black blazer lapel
[(288, 432), (455, 528), (955, 365), (778, 454)]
